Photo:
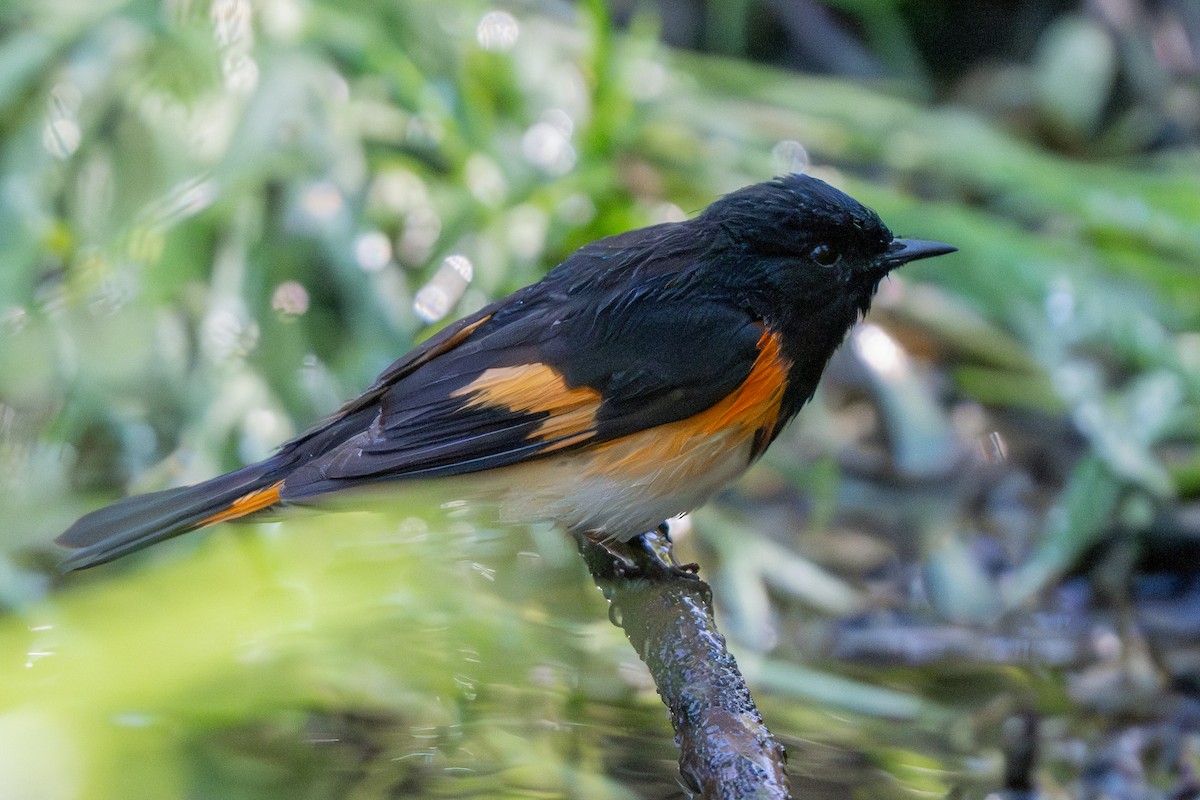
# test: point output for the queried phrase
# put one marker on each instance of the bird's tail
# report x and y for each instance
(142, 520)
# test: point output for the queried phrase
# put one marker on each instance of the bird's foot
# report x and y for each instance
(648, 556)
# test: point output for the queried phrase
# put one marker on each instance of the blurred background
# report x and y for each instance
(969, 568)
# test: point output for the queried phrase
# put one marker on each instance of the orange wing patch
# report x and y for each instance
(537, 388)
(246, 504)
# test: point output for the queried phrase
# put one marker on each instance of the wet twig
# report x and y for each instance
(725, 749)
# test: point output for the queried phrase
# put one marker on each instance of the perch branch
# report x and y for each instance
(726, 751)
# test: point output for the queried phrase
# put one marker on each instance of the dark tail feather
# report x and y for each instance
(142, 520)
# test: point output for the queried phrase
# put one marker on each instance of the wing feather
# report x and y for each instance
(539, 374)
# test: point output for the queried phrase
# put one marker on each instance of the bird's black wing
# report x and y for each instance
(589, 355)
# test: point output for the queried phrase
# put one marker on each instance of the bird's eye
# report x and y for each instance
(824, 255)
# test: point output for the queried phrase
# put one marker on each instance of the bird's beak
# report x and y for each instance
(903, 251)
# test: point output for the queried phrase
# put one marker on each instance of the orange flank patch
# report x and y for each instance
(753, 407)
(755, 404)
(246, 504)
(537, 388)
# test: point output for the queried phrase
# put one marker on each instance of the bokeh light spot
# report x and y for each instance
(231, 22)
(290, 299)
(372, 251)
(241, 73)
(226, 334)
(435, 299)
(879, 350)
(497, 31)
(431, 303)
(61, 137)
(460, 266)
(547, 143)
(789, 156)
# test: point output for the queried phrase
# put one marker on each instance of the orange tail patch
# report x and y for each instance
(246, 504)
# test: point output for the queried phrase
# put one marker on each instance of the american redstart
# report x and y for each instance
(639, 376)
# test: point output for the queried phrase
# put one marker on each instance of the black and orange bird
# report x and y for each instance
(639, 376)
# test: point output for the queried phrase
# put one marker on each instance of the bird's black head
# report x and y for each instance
(803, 248)
(805, 257)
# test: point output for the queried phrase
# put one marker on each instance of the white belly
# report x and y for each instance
(621, 490)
